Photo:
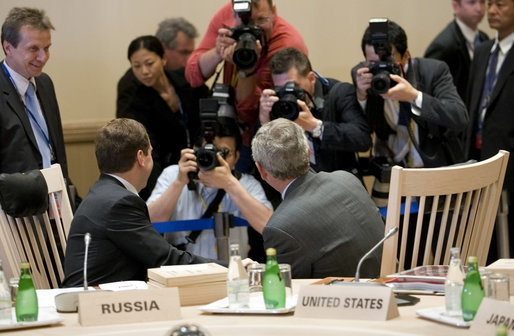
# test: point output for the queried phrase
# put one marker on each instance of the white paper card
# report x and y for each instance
(130, 306)
(348, 302)
(491, 314)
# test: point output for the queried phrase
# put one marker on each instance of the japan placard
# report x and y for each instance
(491, 314)
(130, 306)
(347, 302)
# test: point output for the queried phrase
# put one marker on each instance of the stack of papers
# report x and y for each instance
(423, 279)
(197, 284)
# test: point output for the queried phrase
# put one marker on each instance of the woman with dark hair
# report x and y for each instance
(163, 102)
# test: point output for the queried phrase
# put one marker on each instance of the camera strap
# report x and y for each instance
(211, 209)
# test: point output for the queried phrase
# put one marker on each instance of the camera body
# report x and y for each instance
(246, 34)
(381, 83)
(287, 106)
(219, 105)
(386, 66)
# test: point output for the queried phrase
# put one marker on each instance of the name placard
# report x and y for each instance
(129, 306)
(347, 302)
(491, 314)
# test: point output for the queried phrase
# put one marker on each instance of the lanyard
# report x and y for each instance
(45, 136)
(204, 205)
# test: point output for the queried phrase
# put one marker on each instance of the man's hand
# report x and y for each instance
(268, 98)
(305, 118)
(219, 177)
(225, 44)
(363, 82)
(186, 164)
(403, 91)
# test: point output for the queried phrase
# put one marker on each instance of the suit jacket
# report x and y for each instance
(345, 130)
(324, 225)
(450, 46)
(443, 118)
(165, 128)
(18, 147)
(124, 243)
(498, 127)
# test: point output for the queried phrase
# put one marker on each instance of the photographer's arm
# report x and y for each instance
(162, 208)
(222, 51)
(256, 213)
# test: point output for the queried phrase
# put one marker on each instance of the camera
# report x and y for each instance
(287, 106)
(385, 66)
(246, 35)
(206, 156)
(220, 105)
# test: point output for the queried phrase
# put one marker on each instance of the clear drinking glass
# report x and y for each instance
(498, 287)
(285, 271)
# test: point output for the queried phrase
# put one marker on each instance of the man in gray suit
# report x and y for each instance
(326, 221)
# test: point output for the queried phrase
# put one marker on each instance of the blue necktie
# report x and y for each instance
(38, 123)
(486, 94)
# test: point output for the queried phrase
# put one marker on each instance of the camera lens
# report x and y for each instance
(380, 82)
(206, 157)
(286, 107)
(245, 53)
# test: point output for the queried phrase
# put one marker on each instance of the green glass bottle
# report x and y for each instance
(26, 300)
(472, 292)
(273, 286)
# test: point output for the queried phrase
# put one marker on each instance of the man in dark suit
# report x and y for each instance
(327, 111)
(418, 118)
(491, 97)
(30, 134)
(124, 244)
(456, 43)
(326, 221)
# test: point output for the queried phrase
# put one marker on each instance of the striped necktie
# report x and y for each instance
(39, 127)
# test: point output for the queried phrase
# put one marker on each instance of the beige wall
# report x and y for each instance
(88, 53)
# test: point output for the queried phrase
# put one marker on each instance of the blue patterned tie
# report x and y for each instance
(486, 94)
(38, 123)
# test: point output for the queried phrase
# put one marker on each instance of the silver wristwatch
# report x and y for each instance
(316, 132)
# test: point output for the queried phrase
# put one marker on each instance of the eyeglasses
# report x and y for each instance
(263, 20)
(225, 152)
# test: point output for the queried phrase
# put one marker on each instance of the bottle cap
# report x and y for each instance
(24, 265)
(271, 251)
(455, 250)
(472, 259)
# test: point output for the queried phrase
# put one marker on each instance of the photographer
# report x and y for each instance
(417, 114)
(325, 108)
(173, 200)
(218, 46)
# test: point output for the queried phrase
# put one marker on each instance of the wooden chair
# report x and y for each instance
(39, 239)
(464, 201)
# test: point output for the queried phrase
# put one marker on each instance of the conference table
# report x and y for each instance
(407, 323)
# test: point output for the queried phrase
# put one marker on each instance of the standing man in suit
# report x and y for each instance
(327, 111)
(124, 243)
(456, 43)
(418, 117)
(491, 97)
(30, 123)
(326, 221)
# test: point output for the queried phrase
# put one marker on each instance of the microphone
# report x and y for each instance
(87, 240)
(387, 236)
(69, 302)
